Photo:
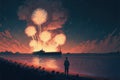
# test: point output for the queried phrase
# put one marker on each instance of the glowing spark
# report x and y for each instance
(60, 39)
(30, 31)
(39, 16)
(45, 36)
(33, 43)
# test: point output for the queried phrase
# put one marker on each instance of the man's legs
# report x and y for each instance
(67, 70)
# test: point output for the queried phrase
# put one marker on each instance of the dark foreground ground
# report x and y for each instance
(15, 71)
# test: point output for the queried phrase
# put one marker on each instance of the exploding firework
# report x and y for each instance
(45, 36)
(44, 40)
(33, 43)
(30, 31)
(60, 39)
(39, 16)
(48, 19)
(56, 18)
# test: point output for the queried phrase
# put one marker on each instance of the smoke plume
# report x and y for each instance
(48, 17)
(56, 13)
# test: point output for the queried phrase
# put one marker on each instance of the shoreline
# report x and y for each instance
(17, 71)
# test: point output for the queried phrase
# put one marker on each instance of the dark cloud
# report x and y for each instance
(109, 44)
(0, 25)
(9, 43)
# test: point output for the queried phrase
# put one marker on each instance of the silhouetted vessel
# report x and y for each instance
(43, 53)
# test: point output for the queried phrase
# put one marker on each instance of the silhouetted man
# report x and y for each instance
(66, 65)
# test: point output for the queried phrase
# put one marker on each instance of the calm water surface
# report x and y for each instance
(99, 66)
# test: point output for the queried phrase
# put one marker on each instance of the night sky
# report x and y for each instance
(89, 23)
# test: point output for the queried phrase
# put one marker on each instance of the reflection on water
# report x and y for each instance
(47, 63)
(35, 61)
(51, 64)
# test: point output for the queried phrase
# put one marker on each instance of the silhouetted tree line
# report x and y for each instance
(9, 53)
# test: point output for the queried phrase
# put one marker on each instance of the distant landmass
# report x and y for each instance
(9, 53)
(43, 53)
(91, 54)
